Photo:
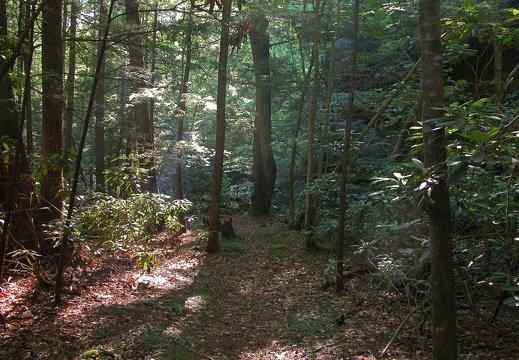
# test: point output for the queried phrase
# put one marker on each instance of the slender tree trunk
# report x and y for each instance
(264, 167)
(70, 81)
(309, 212)
(27, 69)
(438, 207)
(52, 110)
(404, 133)
(329, 89)
(77, 168)
(498, 72)
(341, 237)
(293, 157)
(297, 128)
(179, 193)
(216, 188)
(389, 100)
(99, 129)
(141, 114)
(153, 61)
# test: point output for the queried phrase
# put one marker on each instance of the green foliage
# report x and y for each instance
(482, 146)
(178, 308)
(125, 177)
(113, 222)
(147, 259)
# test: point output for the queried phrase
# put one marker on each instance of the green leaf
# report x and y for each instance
(478, 156)
(458, 173)
(513, 288)
(418, 164)
(478, 136)
(512, 301)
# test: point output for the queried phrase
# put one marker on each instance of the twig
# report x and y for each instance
(395, 334)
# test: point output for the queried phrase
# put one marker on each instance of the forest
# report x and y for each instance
(314, 179)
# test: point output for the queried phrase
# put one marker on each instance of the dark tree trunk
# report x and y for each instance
(309, 200)
(216, 188)
(70, 82)
(138, 77)
(100, 103)
(341, 236)
(52, 111)
(264, 167)
(79, 157)
(228, 230)
(438, 208)
(16, 186)
(28, 82)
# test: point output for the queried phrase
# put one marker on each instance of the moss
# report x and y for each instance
(97, 354)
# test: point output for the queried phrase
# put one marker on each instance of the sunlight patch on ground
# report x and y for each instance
(183, 264)
(195, 303)
(173, 331)
(275, 351)
(153, 280)
(11, 292)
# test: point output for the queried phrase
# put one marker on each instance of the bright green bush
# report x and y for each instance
(113, 223)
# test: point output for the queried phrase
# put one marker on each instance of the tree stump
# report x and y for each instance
(227, 229)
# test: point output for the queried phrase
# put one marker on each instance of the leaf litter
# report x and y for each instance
(261, 296)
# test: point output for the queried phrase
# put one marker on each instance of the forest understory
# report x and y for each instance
(262, 296)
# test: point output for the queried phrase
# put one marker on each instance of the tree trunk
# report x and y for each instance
(309, 233)
(329, 89)
(264, 167)
(438, 207)
(138, 78)
(52, 111)
(341, 237)
(99, 134)
(179, 193)
(297, 128)
(79, 157)
(389, 100)
(16, 186)
(70, 81)
(216, 188)
(28, 97)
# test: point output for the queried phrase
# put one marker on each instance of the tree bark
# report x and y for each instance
(52, 111)
(216, 188)
(16, 186)
(138, 78)
(264, 167)
(329, 89)
(438, 207)
(309, 233)
(77, 168)
(99, 129)
(70, 81)
(179, 193)
(341, 237)
(297, 128)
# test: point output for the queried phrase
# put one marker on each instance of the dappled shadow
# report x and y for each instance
(259, 297)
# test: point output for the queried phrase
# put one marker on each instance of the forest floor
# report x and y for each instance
(262, 296)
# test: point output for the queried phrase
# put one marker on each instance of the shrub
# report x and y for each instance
(113, 223)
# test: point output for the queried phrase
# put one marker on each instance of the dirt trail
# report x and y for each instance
(260, 297)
